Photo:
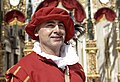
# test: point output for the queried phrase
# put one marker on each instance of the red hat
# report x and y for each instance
(70, 5)
(50, 13)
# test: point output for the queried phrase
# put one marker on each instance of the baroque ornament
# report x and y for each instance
(14, 2)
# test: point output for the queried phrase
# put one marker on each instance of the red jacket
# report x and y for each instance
(34, 68)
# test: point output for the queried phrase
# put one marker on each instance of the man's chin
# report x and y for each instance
(57, 43)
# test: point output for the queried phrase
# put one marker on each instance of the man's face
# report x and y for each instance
(52, 33)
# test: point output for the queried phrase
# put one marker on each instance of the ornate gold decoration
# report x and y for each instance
(28, 47)
(16, 22)
(104, 1)
(118, 49)
(6, 5)
(118, 45)
(1, 59)
(91, 50)
(4, 31)
(91, 47)
(21, 6)
(119, 77)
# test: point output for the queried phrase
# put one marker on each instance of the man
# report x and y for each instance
(51, 59)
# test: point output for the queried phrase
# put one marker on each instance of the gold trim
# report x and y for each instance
(27, 50)
(6, 79)
(93, 75)
(17, 70)
(12, 79)
(16, 22)
(13, 73)
(27, 78)
(9, 70)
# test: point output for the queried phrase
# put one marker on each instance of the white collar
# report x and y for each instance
(68, 55)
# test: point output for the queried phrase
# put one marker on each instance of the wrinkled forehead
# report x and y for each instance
(48, 22)
(54, 21)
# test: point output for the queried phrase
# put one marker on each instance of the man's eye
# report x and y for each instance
(61, 26)
(50, 26)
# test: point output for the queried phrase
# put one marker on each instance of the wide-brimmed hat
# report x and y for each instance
(50, 13)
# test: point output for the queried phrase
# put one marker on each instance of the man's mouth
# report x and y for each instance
(57, 37)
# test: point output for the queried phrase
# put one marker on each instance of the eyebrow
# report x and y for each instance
(54, 22)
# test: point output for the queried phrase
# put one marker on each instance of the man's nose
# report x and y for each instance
(56, 28)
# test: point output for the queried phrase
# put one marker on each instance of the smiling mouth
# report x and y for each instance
(57, 38)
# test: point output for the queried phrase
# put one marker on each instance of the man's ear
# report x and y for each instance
(36, 31)
(36, 34)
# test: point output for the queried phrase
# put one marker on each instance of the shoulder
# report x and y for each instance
(76, 66)
(26, 60)
(29, 56)
(79, 70)
(29, 60)
(15, 72)
(23, 68)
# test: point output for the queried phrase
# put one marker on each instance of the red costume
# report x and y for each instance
(35, 68)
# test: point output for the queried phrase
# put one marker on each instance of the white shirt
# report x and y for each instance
(68, 55)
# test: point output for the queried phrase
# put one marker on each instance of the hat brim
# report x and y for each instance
(68, 22)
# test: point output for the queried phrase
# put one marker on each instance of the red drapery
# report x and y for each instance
(9, 17)
(79, 13)
(109, 14)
